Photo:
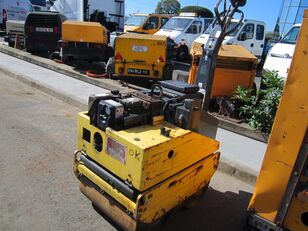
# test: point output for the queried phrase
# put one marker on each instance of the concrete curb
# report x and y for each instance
(226, 166)
(46, 89)
(114, 85)
(238, 171)
(63, 69)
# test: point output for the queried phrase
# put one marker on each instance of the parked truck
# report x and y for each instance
(184, 29)
(109, 11)
(250, 34)
(280, 55)
(18, 9)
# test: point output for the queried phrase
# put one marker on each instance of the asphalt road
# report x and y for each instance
(39, 190)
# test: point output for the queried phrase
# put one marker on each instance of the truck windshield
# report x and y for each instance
(232, 25)
(291, 36)
(177, 24)
(135, 20)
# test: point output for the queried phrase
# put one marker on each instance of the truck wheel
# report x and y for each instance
(182, 53)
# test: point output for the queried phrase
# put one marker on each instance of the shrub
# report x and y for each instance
(259, 110)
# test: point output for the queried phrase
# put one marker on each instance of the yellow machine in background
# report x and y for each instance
(143, 56)
(85, 41)
(235, 66)
(146, 23)
(280, 200)
(90, 32)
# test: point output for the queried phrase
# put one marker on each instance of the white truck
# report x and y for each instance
(184, 29)
(81, 10)
(18, 9)
(250, 34)
(280, 55)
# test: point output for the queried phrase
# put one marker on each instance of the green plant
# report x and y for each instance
(259, 110)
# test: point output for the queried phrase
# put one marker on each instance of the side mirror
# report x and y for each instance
(242, 36)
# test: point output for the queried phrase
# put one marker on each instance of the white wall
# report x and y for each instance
(73, 9)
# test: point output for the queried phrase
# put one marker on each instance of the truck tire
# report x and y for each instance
(182, 53)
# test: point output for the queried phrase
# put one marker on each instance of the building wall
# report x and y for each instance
(291, 12)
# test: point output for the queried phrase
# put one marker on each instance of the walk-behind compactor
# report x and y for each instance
(139, 155)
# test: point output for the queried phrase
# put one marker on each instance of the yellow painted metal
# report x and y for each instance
(90, 32)
(299, 206)
(150, 157)
(117, 195)
(140, 52)
(171, 193)
(155, 202)
(287, 135)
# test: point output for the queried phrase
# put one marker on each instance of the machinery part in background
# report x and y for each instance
(43, 30)
(97, 70)
(207, 63)
(15, 34)
(85, 42)
(99, 16)
(182, 53)
(235, 66)
(142, 57)
(280, 199)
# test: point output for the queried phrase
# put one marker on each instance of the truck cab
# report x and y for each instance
(145, 23)
(250, 34)
(184, 29)
(280, 56)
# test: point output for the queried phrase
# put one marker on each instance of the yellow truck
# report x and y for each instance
(143, 57)
(145, 23)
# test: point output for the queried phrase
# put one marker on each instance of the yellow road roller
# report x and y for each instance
(138, 157)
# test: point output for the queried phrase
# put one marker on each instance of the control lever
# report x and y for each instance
(207, 63)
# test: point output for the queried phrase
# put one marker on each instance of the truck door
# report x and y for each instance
(192, 32)
(246, 37)
(259, 41)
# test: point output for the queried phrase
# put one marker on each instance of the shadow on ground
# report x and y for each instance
(215, 211)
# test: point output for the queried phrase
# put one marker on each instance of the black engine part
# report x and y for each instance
(179, 102)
